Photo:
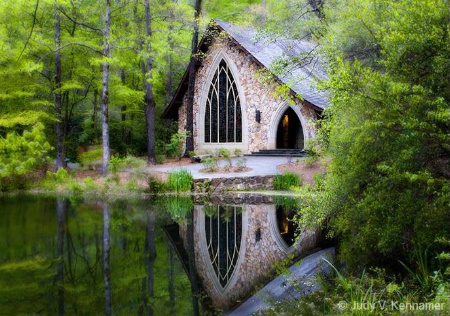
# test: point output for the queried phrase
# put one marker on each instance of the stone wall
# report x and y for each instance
(254, 95)
(215, 185)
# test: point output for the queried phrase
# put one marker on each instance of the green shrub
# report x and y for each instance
(286, 181)
(160, 159)
(21, 156)
(132, 185)
(210, 163)
(74, 186)
(61, 175)
(154, 185)
(176, 147)
(237, 152)
(225, 154)
(89, 183)
(115, 164)
(179, 181)
(91, 157)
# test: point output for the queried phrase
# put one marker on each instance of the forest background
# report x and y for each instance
(386, 195)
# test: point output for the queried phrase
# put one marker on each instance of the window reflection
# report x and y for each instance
(223, 229)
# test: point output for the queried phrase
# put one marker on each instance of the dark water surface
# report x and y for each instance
(155, 257)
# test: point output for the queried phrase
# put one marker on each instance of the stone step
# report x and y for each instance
(280, 152)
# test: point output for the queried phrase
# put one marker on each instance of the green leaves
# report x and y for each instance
(389, 127)
(21, 154)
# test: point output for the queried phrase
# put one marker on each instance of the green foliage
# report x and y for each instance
(21, 156)
(286, 181)
(223, 153)
(387, 187)
(91, 157)
(89, 183)
(179, 181)
(160, 159)
(176, 147)
(210, 163)
(154, 185)
(237, 152)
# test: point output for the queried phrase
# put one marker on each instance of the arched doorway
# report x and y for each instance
(290, 131)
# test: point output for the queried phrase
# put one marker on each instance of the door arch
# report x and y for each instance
(295, 115)
(290, 131)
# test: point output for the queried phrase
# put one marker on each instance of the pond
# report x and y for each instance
(86, 256)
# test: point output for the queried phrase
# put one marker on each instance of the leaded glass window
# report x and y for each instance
(223, 117)
(223, 230)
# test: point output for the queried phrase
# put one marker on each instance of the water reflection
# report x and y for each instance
(88, 257)
(60, 256)
(236, 246)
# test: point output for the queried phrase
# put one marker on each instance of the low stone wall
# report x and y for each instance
(214, 185)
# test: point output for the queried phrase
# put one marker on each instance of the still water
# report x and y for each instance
(172, 256)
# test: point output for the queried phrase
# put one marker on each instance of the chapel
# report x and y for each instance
(236, 106)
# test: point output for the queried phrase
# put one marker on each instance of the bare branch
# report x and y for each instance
(32, 29)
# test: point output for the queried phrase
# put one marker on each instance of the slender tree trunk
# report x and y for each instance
(57, 94)
(105, 92)
(148, 87)
(106, 258)
(191, 85)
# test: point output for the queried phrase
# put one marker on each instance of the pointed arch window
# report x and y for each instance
(223, 117)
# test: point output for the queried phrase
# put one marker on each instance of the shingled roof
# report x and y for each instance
(267, 51)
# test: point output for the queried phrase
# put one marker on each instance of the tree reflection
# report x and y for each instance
(61, 206)
(106, 257)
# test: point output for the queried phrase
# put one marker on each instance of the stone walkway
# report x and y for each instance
(260, 166)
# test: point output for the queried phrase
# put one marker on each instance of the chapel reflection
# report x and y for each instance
(223, 230)
(237, 246)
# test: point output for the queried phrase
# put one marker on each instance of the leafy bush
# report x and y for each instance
(225, 154)
(179, 181)
(210, 163)
(91, 157)
(160, 159)
(176, 147)
(154, 185)
(237, 152)
(89, 183)
(21, 156)
(286, 181)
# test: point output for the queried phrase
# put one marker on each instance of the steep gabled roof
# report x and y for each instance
(265, 52)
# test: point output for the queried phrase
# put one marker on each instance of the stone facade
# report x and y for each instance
(255, 95)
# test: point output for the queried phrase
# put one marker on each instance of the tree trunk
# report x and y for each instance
(105, 92)
(148, 87)
(57, 94)
(191, 85)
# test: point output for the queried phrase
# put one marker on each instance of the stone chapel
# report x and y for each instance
(235, 108)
